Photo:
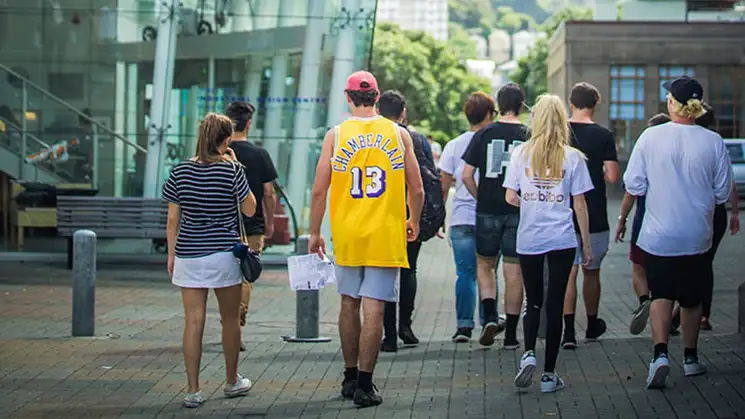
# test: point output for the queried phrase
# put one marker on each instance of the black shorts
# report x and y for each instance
(677, 278)
(497, 234)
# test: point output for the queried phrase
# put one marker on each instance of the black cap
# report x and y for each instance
(684, 89)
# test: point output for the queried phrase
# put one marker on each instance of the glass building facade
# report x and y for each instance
(107, 74)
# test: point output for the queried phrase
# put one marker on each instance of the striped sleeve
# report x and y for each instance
(170, 189)
(240, 184)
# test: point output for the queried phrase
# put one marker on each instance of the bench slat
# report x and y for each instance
(112, 217)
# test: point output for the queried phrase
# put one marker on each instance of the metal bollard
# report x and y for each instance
(84, 283)
(307, 307)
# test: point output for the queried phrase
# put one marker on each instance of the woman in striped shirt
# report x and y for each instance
(203, 195)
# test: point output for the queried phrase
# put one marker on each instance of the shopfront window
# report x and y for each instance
(626, 104)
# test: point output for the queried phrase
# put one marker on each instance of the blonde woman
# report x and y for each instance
(550, 175)
(683, 170)
(202, 195)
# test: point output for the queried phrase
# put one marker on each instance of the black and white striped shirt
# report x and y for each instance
(207, 195)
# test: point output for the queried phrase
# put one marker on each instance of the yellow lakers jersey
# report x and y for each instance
(368, 194)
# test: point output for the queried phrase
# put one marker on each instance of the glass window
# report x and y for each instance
(727, 96)
(626, 103)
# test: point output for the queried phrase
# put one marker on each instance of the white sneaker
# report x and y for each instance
(524, 377)
(551, 383)
(240, 388)
(193, 400)
(639, 318)
(658, 371)
(692, 366)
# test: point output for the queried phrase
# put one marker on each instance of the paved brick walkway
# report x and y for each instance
(134, 369)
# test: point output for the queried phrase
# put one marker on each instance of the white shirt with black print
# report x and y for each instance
(546, 222)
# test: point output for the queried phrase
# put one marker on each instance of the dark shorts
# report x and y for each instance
(677, 278)
(636, 254)
(497, 234)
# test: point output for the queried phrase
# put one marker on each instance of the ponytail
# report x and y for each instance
(214, 130)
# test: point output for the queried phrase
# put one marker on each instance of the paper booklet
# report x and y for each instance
(310, 272)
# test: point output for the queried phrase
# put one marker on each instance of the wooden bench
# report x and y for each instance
(120, 218)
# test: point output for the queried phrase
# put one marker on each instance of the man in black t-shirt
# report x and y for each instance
(261, 174)
(599, 146)
(496, 220)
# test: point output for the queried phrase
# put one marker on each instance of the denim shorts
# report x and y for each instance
(497, 234)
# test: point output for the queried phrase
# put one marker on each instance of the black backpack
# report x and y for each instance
(433, 210)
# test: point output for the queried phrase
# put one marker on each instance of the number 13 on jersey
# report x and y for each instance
(373, 187)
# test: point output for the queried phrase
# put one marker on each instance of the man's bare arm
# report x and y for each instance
(469, 180)
(447, 183)
(413, 178)
(321, 184)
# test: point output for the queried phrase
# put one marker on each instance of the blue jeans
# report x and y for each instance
(463, 241)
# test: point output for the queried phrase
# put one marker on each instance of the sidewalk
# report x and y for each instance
(134, 367)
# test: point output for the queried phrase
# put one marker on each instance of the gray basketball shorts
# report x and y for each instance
(368, 282)
(599, 242)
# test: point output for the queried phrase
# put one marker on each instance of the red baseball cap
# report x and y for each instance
(362, 81)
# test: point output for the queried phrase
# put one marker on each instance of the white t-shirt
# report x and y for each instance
(546, 216)
(684, 171)
(464, 205)
(436, 152)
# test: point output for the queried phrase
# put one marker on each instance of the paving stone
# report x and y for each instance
(133, 368)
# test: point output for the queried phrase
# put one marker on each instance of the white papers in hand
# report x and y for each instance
(310, 272)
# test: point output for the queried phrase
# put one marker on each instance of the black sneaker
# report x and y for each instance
(596, 330)
(569, 342)
(348, 387)
(388, 346)
(370, 398)
(489, 332)
(462, 335)
(407, 336)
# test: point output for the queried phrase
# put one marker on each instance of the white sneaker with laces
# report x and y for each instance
(193, 400)
(524, 377)
(240, 388)
(551, 382)
(692, 366)
(658, 371)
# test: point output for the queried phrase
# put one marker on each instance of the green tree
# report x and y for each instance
(429, 74)
(532, 70)
(460, 42)
(473, 14)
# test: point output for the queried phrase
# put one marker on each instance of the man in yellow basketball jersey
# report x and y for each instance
(368, 163)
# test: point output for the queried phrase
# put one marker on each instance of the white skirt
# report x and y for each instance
(218, 270)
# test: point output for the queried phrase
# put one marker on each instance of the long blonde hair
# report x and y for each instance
(546, 150)
(693, 109)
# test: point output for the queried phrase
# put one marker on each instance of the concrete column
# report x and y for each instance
(165, 52)
(304, 133)
(242, 19)
(344, 65)
(273, 136)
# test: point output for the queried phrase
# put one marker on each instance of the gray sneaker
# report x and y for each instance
(639, 318)
(240, 388)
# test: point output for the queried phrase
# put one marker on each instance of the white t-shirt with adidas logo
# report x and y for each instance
(546, 216)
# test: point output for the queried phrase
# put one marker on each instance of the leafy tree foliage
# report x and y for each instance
(429, 74)
(532, 71)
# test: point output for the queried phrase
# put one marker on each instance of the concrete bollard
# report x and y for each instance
(741, 308)
(307, 307)
(84, 283)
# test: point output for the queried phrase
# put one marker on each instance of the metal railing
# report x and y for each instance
(97, 127)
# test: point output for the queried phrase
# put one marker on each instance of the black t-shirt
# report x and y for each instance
(489, 152)
(259, 170)
(599, 146)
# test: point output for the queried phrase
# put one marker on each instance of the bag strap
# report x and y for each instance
(241, 225)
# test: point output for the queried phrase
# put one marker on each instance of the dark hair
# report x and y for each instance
(240, 113)
(584, 96)
(214, 131)
(363, 97)
(659, 119)
(478, 106)
(708, 119)
(510, 98)
(391, 104)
